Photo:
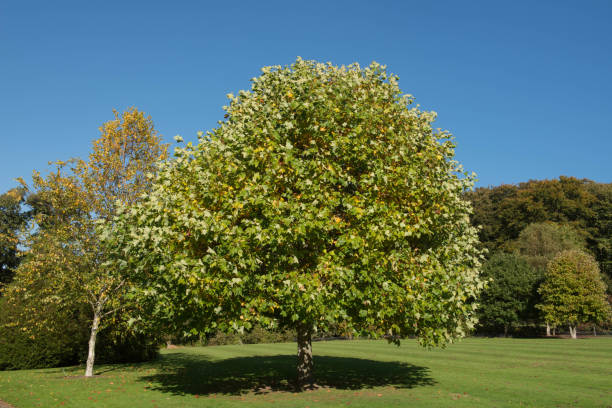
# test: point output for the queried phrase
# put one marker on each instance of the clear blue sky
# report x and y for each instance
(525, 86)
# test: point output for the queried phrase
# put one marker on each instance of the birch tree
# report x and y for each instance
(82, 193)
(118, 171)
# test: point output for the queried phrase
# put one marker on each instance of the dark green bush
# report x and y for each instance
(257, 335)
(63, 340)
(222, 339)
(261, 335)
(53, 345)
(115, 346)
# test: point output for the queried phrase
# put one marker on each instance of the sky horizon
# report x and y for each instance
(522, 86)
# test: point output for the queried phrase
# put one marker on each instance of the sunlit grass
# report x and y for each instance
(473, 373)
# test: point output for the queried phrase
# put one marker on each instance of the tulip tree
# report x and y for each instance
(324, 198)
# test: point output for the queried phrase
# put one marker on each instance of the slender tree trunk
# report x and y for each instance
(505, 330)
(594, 331)
(572, 331)
(554, 330)
(305, 362)
(91, 355)
(547, 329)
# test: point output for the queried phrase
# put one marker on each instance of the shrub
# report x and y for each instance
(255, 336)
(23, 346)
(62, 340)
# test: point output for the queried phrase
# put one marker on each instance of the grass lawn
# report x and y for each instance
(473, 373)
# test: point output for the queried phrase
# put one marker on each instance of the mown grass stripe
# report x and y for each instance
(474, 372)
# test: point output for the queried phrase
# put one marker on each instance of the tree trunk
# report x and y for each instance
(505, 330)
(554, 330)
(572, 331)
(547, 329)
(305, 363)
(594, 331)
(91, 355)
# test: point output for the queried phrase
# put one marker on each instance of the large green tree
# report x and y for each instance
(511, 296)
(323, 198)
(573, 291)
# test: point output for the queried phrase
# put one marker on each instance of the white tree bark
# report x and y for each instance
(572, 331)
(98, 302)
(91, 355)
(547, 329)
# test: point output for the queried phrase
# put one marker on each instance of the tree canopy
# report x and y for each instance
(504, 211)
(12, 219)
(324, 197)
(600, 240)
(540, 242)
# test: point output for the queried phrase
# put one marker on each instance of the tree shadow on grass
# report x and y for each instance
(191, 374)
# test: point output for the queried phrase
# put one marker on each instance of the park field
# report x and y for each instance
(476, 372)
